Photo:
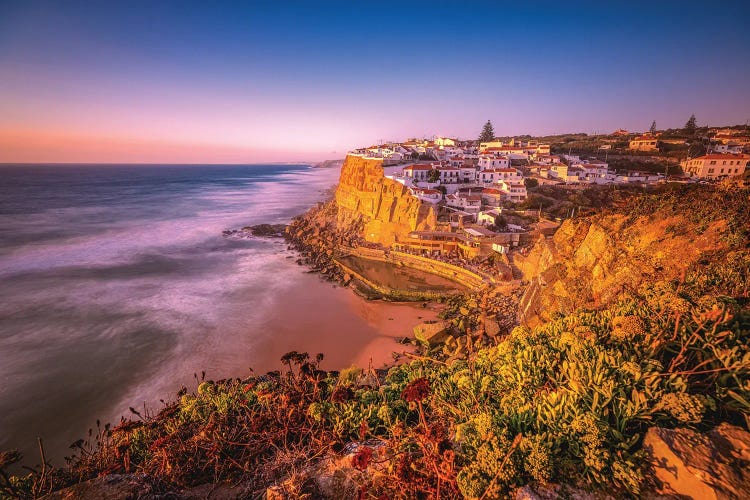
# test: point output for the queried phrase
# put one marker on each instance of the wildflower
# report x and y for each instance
(362, 457)
(342, 395)
(625, 328)
(684, 408)
(416, 391)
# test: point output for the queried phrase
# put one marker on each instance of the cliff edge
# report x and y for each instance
(590, 261)
(385, 207)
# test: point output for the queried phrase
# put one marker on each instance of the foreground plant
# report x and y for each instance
(567, 401)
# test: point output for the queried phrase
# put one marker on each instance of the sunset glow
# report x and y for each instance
(307, 81)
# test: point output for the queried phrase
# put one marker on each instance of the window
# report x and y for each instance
(710, 170)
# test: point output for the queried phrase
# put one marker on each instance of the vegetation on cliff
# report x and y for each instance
(567, 400)
(664, 341)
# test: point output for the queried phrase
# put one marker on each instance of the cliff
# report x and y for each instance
(590, 261)
(385, 208)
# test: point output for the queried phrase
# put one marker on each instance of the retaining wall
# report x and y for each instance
(454, 273)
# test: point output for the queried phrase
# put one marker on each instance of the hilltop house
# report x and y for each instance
(417, 172)
(442, 142)
(643, 143)
(724, 148)
(716, 166)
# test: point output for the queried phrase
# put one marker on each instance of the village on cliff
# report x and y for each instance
(479, 190)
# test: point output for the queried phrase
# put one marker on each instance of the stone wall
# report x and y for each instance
(457, 274)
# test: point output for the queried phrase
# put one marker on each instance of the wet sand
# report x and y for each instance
(349, 330)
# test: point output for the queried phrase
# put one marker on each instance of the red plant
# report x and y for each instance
(362, 457)
(416, 391)
(342, 394)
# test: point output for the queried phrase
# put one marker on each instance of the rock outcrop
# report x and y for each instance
(714, 465)
(590, 261)
(385, 207)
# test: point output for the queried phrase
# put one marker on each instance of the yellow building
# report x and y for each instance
(716, 166)
(644, 143)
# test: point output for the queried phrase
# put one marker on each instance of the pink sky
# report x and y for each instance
(34, 146)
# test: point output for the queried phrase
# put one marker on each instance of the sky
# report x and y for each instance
(240, 82)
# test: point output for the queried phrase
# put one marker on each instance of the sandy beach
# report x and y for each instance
(347, 329)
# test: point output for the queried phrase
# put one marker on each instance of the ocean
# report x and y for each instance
(116, 287)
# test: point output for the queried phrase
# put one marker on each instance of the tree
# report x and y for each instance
(531, 182)
(433, 175)
(690, 126)
(697, 148)
(653, 127)
(501, 223)
(488, 133)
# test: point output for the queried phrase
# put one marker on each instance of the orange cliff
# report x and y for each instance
(385, 206)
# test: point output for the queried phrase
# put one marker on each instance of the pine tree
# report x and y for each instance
(690, 126)
(653, 127)
(488, 133)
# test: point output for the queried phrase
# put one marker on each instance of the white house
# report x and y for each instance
(729, 148)
(417, 172)
(595, 172)
(492, 196)
(494, 175)
(466, 202)
(442, 142)
(428, 195)
(468, 173)
(449, 175)
(487, 217)
(491, 161)
(514, 190)
(514, 152)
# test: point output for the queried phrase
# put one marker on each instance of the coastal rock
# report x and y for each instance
(590, 261)
(491, 326)
(384, 207)
(338, 477)
(432, 332)
(712, 465)
(267, 230)
(557, 492)
(111, 486)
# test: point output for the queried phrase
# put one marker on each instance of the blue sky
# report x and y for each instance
(250, 81)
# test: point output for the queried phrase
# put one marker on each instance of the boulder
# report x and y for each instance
(491, 326)
(711, 465)
(557, 492)
(111, 486)
(432, 332)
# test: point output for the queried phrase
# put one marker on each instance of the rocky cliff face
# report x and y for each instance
(589, 261)
(385, 207)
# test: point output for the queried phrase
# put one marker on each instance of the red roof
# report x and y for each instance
(418, 167)
(425, 191)
(501, 170)
(491, 191)
(723, 156)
